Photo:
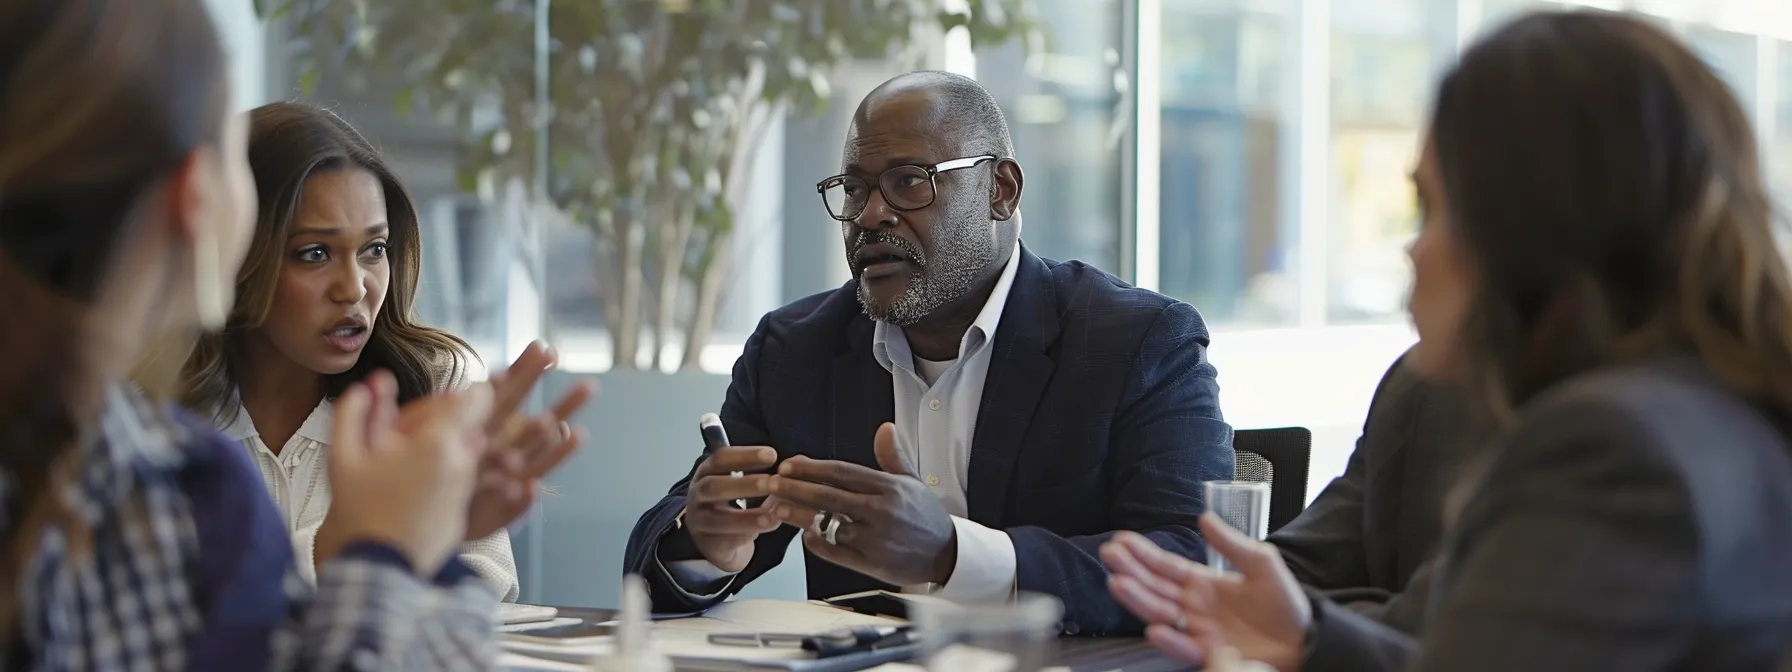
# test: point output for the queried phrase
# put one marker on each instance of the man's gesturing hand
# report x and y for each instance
(900, 531)
(722, 533)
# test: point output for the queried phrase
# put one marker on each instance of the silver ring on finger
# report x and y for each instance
(1181, 622)
(827, 526)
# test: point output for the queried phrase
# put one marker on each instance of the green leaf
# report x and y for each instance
(273, 10)
(950, 20)
(308, 81)
(467, 179)
(405, 101)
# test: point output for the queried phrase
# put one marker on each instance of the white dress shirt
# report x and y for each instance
(936, 418)
(299, 479)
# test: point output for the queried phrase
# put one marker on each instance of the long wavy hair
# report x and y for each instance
(100, 101)
(289, 142)
(1605, 184)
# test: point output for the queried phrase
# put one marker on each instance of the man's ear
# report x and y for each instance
(1004, 191)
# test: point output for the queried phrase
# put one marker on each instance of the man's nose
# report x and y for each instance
(878, 214)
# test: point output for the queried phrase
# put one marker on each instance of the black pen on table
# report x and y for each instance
(715, 438)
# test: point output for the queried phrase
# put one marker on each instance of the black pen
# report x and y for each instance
(715, 438)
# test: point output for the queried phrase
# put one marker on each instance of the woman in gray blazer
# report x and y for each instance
(1597, 264)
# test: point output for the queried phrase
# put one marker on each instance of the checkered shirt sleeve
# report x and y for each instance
(181, 563)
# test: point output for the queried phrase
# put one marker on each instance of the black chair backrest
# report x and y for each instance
(1279, 456)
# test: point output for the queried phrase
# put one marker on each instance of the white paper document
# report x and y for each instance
(526, 628)
(962, 658)
(515, 662)
(512, 614)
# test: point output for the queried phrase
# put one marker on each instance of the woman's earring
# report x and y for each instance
(208, 286)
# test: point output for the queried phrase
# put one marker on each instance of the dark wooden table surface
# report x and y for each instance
(1080, 654)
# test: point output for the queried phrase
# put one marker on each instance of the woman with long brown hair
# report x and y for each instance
(325, 297)
(1597, 261)
(136, 537)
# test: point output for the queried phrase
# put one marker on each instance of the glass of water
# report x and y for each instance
(1017, 636)
(1242, 504)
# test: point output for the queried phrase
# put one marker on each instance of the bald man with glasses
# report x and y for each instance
(962, 418)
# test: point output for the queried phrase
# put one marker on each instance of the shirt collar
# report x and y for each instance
(240, 427)
(319, 424)
(892, 351)
(991, 315)
(237, 425)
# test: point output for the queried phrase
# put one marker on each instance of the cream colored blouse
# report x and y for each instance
(298, 478)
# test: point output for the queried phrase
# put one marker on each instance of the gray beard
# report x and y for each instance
(962, 249)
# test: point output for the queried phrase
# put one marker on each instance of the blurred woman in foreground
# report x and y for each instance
(136, 538)
(1597, 261)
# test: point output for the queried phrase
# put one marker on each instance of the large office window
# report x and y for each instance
(1384, 57)
(1495, 13)
(1227, 240)
(1779, 153)
(1069, 111)
(1248, 232)
(1734, 56)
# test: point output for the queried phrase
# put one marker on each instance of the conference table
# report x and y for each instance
(1079, 654)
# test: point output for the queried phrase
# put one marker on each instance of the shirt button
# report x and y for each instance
(935, 404)
(933, 480)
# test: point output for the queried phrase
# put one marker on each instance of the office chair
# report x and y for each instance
(1279, 457)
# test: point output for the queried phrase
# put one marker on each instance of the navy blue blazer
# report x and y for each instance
(1100, 413)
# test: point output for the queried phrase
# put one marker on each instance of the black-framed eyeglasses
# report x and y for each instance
(904, 188)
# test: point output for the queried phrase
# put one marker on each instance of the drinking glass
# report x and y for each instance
(1017, 636)
(1242, 504)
